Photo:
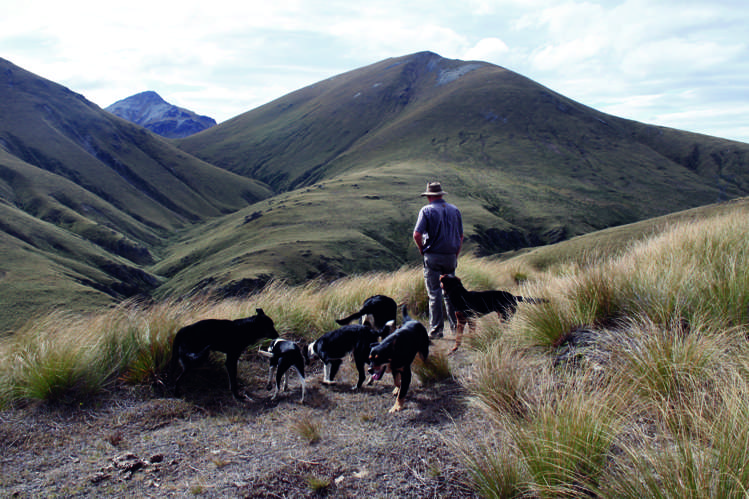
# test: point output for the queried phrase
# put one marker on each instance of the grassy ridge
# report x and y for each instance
(629, 382)
(626, 384)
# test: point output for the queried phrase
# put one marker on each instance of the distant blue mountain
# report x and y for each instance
(149, 110)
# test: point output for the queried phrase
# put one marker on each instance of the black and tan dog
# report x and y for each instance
(396, 353)
(377, 310)
(334, 346)
(193, 343)
(469, 305)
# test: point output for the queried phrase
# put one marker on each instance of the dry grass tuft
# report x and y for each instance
(433, 370)
(307, 428)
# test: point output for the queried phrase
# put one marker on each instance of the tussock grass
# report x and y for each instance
(318, 485)
(705, 455)
(493, 467)
(307, 428)
(436, 368)
(565, 441)
(44, 363)
(502, 379)
(631, 381)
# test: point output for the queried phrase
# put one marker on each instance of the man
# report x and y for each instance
(439, 236)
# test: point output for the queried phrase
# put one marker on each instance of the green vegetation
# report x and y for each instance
(629, 382)
(435, 369)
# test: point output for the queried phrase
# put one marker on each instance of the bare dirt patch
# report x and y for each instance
(138, 443)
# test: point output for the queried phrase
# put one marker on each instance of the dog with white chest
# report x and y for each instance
(396, 353)
(283, 355)
(333, 347)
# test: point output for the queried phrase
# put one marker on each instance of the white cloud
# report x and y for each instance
(488, 50)
(221, 58)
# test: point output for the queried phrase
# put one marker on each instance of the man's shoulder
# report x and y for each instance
(452, 207)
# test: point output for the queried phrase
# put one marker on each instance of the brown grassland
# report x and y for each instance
(630, 381)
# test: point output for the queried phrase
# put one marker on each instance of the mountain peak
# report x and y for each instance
(149, 110)
(149, 96)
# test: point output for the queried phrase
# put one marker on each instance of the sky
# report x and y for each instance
(676, 63)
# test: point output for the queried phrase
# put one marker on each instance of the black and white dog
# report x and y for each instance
(396, 353)
(334, 346)
(376, 310)
(193, 343)
(283, 355)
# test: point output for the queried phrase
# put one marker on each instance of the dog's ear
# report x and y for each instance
(259, 311)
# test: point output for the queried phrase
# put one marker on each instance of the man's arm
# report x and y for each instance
(419, 241)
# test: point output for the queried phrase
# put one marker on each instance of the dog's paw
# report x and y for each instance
(397, 407)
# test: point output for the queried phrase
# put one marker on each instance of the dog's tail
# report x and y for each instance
(404, 311)
(175, 354)
(304, 347)
(346, 320)
(534, 301)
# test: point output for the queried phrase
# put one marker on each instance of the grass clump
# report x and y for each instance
(318, 484)
(307, 428)
(44, 363)
(434, 369)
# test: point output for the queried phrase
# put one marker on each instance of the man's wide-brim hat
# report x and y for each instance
(434, 189)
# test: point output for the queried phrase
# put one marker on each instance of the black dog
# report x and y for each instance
(193, 343)
(377, 310)
(283, 355)
(396, 353)
(468, 305)
(332, 348)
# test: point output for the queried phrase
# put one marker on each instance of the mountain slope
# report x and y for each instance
(149, 110)
(424, 107)
(86, 191)
(526, 165)
(48, 126)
